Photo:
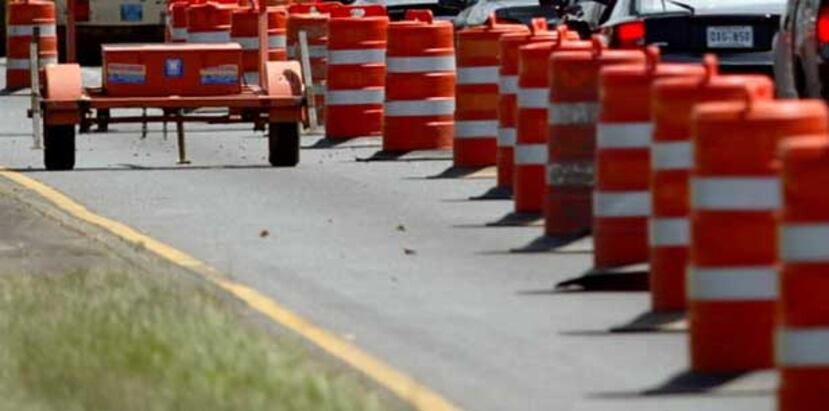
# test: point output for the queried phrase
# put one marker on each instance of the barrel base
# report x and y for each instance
(731, 336)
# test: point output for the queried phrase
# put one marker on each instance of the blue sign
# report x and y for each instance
(132, 12)
(173, 68)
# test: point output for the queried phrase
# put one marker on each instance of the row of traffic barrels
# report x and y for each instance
(703, 175)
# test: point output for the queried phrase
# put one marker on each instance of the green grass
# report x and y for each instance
(103, 341)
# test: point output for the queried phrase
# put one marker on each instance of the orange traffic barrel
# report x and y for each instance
(508, 101)
(245, 31)
(476, 115)
(356, 71)
(802, 344)
(23, 18)
(313, 20)
(420, 84)
(566, 187)
(531, 153)
(178, 21)
(735, 209)
(671, 160)
(209, 22)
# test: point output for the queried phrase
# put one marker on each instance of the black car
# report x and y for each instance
(740, 32)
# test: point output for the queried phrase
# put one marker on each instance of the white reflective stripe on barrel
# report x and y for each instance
(674, 155)
(670, 232)
(314, 52)
(251, 78)
(623, 135)
(476, 129)
(420, 64)
(622, 204)
(804, 243)
(353, 97)
(565, 114)
(359, 56)
(208, 37)
(530, 154)
(533, 98)
(732, 283)
(277, 41)
(179, 34)
(24, 30)
(23, 64)
(507, 137)
(443, 107)
(508, 85)
(247, 43)
(802, 347)
(735, 193)
(478, 75)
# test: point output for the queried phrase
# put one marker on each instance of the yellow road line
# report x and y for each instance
(405, 387)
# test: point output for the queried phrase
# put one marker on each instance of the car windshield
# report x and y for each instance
(684, 6)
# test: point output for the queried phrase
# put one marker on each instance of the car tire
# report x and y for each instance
(283, 144)
(59, 147)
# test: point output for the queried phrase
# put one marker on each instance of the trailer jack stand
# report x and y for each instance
(182, 148)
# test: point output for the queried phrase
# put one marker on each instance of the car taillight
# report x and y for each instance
(823, 24)
(81, 10)
(631, 34)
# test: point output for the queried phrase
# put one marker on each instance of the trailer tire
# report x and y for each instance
(283, 144)
(59, 147)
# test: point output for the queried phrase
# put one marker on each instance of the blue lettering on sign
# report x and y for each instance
(120, 73)
(132, 12)
(220, 75)
(173, 68)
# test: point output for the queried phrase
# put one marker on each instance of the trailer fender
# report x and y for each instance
(62, 91)
(284, 80)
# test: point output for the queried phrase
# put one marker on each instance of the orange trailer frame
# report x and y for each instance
(277, 103)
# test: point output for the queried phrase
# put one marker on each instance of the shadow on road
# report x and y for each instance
(494, 193)
(329, 144)
(632, 278)
(655, 322)
(563, 244)
(691, 383)
(407, 156)
(137, 167)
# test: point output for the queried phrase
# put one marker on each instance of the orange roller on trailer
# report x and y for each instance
(531, 148)
(802, 344)
(671, 161)
(24, 17)
(733, 284)
(356, 71)
(476, 115)
(420, 84)
(177, 79)
(571, 129)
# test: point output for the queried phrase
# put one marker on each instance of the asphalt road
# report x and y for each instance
(395, 259)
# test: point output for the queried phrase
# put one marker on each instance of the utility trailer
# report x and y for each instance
(177, 80)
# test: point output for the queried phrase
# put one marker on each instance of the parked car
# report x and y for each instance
(476, 12)
(802, 51)
(740, 32)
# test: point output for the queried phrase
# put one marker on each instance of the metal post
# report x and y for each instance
(264, 42)
(182, 149)
(34, 76)
(310, 91)
(71, 55)
(144, 123)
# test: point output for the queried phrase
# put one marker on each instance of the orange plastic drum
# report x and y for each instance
(22, 19)
(803, 322)
(671, 160)
(356, 71)
(420, 84)
(735, 208)
(476, 116)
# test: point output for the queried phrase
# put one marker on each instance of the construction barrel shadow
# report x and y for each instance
(737, 384)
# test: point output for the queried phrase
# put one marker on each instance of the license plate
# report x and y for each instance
(730, 37)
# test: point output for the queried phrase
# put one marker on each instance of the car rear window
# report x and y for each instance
(666, 6)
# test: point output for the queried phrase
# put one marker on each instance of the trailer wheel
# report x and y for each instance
(59, 147)
(283, 144)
